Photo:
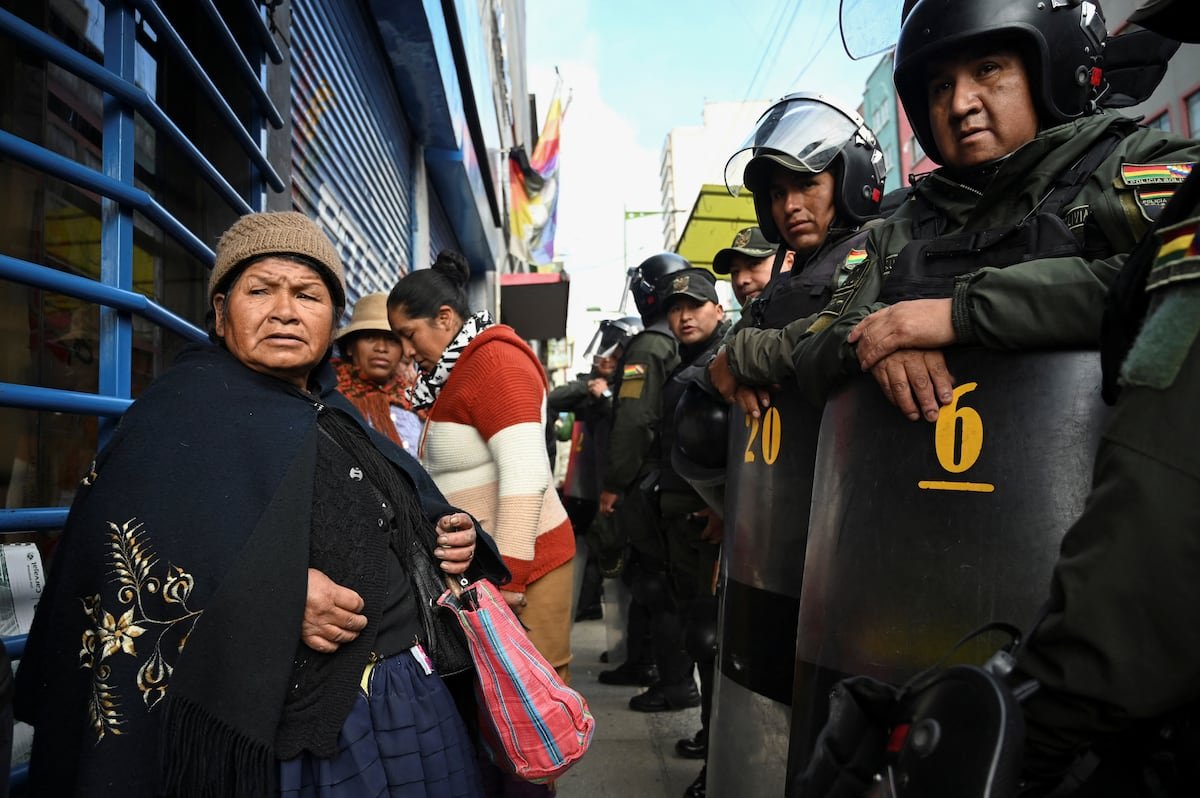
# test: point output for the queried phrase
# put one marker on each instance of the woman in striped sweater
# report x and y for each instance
(485, 444)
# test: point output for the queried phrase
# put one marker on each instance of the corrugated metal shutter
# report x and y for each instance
(351, 144)
(441, 234)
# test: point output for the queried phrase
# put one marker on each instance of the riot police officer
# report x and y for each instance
(748, 261)
(589, 399)
(816, 173)
(691, 528)
(629, 490)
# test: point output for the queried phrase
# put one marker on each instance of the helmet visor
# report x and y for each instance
(870, 26)
(802, 134)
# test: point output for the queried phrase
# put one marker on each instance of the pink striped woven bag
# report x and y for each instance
(531, 723)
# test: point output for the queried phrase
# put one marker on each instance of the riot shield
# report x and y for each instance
(768, 487)
(921, 533)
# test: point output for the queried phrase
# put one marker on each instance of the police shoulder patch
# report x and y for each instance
(1153, 184)
(633, 371)
(854, 259)
(632, 389)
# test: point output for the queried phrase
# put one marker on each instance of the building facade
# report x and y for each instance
(695, 155)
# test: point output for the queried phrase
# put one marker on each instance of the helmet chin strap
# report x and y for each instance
(979, 175)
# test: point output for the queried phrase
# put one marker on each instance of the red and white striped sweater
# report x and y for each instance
(485, 447)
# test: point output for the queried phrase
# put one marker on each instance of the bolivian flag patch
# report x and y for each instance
(1140, 174)
(1178, 257)
(634, 371)
(854, 259)
(633, 380)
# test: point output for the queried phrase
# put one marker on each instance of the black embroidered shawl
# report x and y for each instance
(163, 645)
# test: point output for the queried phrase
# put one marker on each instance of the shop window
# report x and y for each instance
(1160, 122)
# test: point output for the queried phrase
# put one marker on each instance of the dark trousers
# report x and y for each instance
(691, 563)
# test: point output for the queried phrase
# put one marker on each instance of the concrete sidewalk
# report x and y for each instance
(632, 753)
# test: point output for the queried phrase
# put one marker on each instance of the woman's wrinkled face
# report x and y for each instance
(376, 355)
(277, 319)
(424, 340)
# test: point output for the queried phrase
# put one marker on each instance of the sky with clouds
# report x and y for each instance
(634, 71)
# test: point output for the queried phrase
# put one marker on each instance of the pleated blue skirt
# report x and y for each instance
(405, 739)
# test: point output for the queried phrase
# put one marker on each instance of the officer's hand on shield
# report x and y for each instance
(751, 400)
(915, 381)
(911, 324)
(722, 376)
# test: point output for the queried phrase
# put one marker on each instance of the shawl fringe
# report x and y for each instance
(207, 757)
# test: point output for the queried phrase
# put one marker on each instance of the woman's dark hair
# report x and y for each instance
(423, 292)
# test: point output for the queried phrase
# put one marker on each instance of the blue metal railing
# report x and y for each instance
(75, 62)
(126, 194)
(113, 292)
(21, 271)
(171, 38)
(257, 90)
(263, 33)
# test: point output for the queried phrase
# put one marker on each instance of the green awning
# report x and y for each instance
(715, 219)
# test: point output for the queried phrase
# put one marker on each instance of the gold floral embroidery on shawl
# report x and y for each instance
(131, 626)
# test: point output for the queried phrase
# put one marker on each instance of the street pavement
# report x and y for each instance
(632, 753)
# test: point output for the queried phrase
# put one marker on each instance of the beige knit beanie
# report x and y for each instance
(279, 233)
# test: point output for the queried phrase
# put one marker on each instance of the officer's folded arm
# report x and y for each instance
(1039, 304)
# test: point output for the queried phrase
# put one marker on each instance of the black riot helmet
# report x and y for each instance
(701, 439)
(1061, 41)
(646, 275)
(616, 334)
(1175, 19)
(807, 132)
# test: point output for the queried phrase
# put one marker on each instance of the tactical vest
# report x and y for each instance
(802, 291)
(928, 265)
(669, 480)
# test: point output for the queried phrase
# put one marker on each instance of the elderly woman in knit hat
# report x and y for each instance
(374, 374)
(236, 604)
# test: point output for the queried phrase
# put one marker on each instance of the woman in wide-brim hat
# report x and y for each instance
(233, 606)
(374, 374)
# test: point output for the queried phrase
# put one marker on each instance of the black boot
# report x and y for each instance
(694, 747)
(629, 673)
(666, 698)
(698, 788)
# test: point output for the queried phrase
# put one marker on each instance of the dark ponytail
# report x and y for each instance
(422, 293)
